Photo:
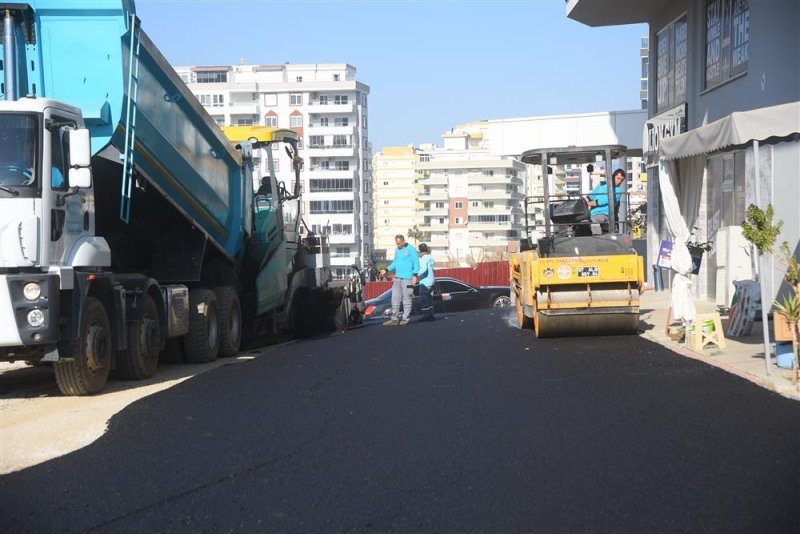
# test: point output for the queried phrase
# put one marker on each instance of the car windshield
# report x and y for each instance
(18, 150)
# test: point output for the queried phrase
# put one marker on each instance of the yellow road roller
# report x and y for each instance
(576, 273)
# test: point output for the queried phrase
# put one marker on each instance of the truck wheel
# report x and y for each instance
(144, 343)
(201, 343)
(87, 373)
(230, 321)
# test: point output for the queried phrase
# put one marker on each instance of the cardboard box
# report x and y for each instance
(781, 325)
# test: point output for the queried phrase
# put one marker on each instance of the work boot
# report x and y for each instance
(390, 322)
(404, 322)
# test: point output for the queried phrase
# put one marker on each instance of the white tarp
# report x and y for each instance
(738, 128)
(681, 185)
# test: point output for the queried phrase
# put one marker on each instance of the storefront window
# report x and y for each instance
(671, 67)
(727, 40)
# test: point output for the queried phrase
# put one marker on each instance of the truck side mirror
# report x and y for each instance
(80, 158)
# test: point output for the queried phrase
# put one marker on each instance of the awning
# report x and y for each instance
(738, 128)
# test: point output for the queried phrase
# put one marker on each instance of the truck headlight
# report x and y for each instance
(32, 291)
(36, 317)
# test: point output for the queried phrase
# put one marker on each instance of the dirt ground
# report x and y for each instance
(37, 423)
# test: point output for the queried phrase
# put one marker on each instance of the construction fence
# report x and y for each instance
(490, 273)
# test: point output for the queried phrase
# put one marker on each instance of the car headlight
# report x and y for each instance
(36, 317)
(32, 291)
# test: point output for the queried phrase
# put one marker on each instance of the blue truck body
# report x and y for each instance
(79, 52)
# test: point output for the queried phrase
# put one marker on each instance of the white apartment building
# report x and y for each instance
(469, 201)
(327, 106)
(394, 203)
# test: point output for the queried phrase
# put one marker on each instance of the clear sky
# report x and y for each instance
(430, 64)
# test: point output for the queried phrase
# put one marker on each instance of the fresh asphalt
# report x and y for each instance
(465, 424)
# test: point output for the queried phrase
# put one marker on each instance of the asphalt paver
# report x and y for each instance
(465, 424)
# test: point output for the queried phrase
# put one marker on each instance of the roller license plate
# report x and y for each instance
(589, 271)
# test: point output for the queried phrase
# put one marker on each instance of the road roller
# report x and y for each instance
(576, 275)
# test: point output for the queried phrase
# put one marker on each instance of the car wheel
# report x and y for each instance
(501, 301)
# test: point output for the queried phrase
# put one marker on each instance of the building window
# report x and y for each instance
(331, 206)
(488, 173)
(213, 101)
(296, 99)
(339, 140)
(340, 121)
(184, 78)
(335, 77)
(671, 66)
(441, 220)
(458, 220)
(342, 165)
(475, 203)
(340, 99)
(245, 122)
(299, 79)
(342, 229)
(489, 218)
(366, 186)
(364, 121)
(439, 205)
(271, 121)
(459, 205)
(727, 40)
(325, 165)
(296, 121)
(385, 202)
(323, 100)
(366, 228)
(331, 185)
(424, 158)
(323, 121)
(364, 99)
(488, 204)
(220, 121)
(316, 141)
(212, 77)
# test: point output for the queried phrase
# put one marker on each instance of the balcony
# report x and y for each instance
(433, 180)
(242, 108)
(432, 195)
(329, 151)
(494, 194)
(315, 107)
(503, 226)
(497, 241)
(434, 211)
(496, 179)
(318, 172)
(318, 129)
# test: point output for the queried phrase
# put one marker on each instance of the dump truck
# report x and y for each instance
(130, 226)
(572, 276)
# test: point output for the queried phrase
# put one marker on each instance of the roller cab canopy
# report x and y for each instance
(260, 135)
(572, 155)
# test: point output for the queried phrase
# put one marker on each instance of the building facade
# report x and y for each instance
(327, 106)
(703, 71)
(394, 198)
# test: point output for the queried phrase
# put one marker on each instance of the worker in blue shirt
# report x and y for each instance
(597, 199)
(406, 268)
(426, 280)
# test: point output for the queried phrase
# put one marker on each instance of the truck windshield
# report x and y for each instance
(18, 153)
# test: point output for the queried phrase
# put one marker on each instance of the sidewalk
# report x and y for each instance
(744, 356)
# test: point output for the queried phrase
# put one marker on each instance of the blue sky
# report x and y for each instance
(430, 65)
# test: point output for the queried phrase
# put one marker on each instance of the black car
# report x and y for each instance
(449, 295)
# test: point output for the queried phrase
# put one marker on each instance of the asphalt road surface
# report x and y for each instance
(461, 425)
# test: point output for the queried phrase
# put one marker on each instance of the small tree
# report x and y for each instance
(759, 230)
(415, 233)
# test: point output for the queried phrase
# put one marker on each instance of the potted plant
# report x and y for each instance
(789, 308)
(696, 250)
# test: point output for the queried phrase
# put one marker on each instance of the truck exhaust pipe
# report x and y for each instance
(10, 56)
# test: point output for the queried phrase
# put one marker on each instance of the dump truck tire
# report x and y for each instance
(87, 372)
(144, 343)
(230, 321)
(202, 342)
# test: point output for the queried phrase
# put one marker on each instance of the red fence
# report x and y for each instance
(491, 273)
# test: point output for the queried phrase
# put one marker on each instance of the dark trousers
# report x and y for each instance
(425, 302)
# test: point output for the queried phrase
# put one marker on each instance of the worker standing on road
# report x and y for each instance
(406, 268)
(426, 280)
(597, 199)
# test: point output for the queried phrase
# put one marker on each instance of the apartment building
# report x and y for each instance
(394, 202)
(469, 201)
(327, 106)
